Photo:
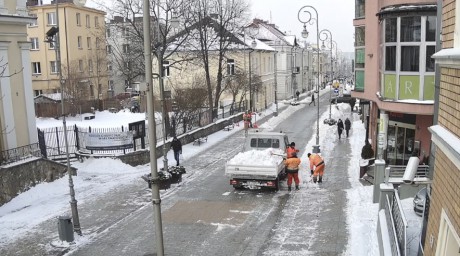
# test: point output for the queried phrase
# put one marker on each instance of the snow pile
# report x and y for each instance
(257, 157)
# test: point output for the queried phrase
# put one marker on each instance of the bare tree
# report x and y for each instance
(218, 22)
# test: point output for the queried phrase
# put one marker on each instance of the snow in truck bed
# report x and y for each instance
(258, 157)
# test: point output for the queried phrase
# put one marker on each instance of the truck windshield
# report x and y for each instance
(265, 143)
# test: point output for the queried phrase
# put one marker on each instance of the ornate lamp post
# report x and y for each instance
(310, 20)
(52, 36)
(328, 35)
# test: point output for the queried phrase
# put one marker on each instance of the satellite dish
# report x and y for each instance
(79, 2)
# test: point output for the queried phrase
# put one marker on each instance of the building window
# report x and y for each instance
(391, 30)
(78, 19)
(35, 45)
(230, 67)
(411, 29)
(80, 65)
(88, 42)
(125, 32)
(390, 58)
(54, 67)
(51, 18)
(90, 65)
(410, 56)
(108, 33)
(34, 22)
(36, 69)
(409, 43)
(165, 68)
(110, 85)
(360, 8)
(38, 92)
(98, 43)
(109, 49)
(360, 35)
(430, 50)
(96, 22)
(125, 48)
(79, 43)
(52, 43)
(87, 21)
(109, 67)
(448, 241)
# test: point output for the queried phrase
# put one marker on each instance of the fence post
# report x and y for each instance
(124, 150)
(57, 138)
(77, 140)
(379, 177)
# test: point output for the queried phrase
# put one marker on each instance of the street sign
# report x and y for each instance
(336, 91)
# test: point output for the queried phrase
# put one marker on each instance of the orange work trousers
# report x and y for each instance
(319, 170)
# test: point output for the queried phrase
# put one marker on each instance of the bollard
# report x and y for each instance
(65, 228)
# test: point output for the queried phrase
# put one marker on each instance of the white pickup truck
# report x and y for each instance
(261, 162)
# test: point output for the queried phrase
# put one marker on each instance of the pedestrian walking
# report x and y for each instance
(292, 170)
(347, 126)
(317, 167)
(297, 93)
(176, 146)
(291, 150)
(312, 99)
(340, 127)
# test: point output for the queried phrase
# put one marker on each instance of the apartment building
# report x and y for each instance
(395, 74)
(82, 44)
(17, 113)
(442, 230)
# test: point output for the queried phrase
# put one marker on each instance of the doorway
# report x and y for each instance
(400, 143)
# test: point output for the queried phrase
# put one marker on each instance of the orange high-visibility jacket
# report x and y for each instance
(292, 163)
(315, 160)
(290, 150)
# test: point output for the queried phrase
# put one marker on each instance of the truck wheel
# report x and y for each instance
(277, 184)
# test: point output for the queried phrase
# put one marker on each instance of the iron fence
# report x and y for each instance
(20, 153)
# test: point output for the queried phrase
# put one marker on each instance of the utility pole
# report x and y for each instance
(156, 201)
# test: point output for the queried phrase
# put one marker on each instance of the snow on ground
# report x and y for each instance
(50, 200)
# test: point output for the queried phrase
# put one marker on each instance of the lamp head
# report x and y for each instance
(174, 20)
(304, 32)
(323, 47)
(52, 32)
(254, 43)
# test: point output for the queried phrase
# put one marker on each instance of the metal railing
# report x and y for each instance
(397, 225)
(20, 153)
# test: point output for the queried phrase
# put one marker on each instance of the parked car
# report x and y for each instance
(419, 201)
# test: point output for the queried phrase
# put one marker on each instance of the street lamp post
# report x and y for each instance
(156, 201)
(310, 19)
(328, 35)
(54, 33)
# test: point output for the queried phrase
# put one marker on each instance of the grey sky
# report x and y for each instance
(334, 15)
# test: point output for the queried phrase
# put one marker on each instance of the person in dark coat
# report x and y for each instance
(176, 146)
(312, 99)
(347, 126)
(340, 127)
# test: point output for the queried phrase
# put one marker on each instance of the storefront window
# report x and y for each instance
(400, 143)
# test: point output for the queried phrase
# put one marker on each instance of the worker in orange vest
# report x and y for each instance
(292, 170)
(290, 150)
(316, 162)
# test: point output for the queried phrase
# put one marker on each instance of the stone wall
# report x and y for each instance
(17, 178)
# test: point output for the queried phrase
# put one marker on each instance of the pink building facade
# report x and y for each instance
(395, 75)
